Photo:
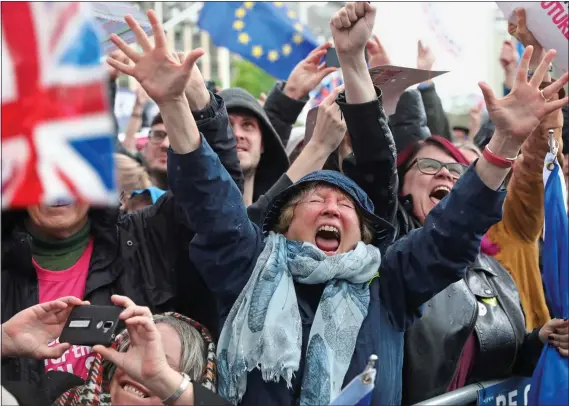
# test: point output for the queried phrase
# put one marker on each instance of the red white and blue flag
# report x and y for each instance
(57, 131)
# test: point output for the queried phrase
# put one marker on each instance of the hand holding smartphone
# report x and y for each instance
(92, 325)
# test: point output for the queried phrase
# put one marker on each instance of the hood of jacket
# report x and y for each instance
(383, 230)
(274, 160)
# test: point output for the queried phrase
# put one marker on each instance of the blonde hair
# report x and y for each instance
(130, 175)
(287, 213)
(469, 146)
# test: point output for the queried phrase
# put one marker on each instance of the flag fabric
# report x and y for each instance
(57, 141)
(550, 380)
(328, 84)
(110, 17)
(360, 389)
(267, 34)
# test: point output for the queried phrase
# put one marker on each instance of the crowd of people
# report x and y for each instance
(252, 276)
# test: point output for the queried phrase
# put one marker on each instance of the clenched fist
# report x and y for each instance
(351, 27)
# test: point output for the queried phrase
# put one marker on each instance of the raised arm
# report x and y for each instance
(429, 259)
(212, 203)
(287, 99)
(372, 142)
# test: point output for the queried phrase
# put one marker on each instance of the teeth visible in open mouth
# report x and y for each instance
(133, 390)
(329, 228)
(445, 188)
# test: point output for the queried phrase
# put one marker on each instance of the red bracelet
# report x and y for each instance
(496, 160)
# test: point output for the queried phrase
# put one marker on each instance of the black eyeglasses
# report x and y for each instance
(157, 136)
(430, 166)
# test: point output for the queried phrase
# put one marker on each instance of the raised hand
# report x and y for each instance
(330, 128)
(196, 91)
(519, 30)
(119, 56)
(352, 26)
(521, 111)
(28, 333)
(156, 69)
(425, 56)
(377, 55)
(308, 73)
(144, 360)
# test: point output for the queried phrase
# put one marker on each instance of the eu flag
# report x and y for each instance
(267, 34)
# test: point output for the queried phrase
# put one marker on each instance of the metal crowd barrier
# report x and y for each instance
(463, 396)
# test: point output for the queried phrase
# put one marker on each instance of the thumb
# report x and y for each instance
(331, 98)
(191, 59)
(488, 94)
(110, 354)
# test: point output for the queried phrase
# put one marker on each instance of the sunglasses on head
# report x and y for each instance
(430, 166)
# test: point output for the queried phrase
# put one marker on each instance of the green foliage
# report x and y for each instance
(251, 78)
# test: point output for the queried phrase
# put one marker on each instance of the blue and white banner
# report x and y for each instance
(512, 392)
(359, 391)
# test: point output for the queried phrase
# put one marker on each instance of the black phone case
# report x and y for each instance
(331, 58)
(86, 325)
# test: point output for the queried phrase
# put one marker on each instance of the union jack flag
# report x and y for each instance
(328, 84)
(57, 138)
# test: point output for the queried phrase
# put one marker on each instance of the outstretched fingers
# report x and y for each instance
(123, 46)
(488, 94)
(522, 74)
(141, 36)
(191, 59)
(157, 30)
(542, 68)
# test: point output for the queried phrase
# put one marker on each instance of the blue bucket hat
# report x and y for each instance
(154, 192)
(384, 232)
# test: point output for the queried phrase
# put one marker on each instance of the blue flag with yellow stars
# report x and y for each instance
(267, 34)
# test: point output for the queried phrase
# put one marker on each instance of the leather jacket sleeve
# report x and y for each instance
(373, 166)
(437, 119)
(283, 111)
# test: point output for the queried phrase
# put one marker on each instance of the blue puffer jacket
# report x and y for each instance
(414, 269)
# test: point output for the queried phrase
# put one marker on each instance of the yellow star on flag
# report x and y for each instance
(298, 27)
(240, 13)
(273, 55)
(291, 14)
(287, 49)
(297, 38)
(257, 51)
(278, 3)
(244, 38)
(248, 4)
(238, 25)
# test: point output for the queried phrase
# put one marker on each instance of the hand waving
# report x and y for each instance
(145, 359)
(28, 333)
(521, 111)
(308, 73)
(352, 26)
(162, 77)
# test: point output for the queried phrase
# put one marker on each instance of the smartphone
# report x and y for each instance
(92, 325)
(331, 58)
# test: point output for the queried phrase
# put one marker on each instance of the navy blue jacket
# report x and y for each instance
(414, 269)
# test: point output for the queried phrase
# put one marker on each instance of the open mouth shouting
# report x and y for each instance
(328, 239)
(135, 390)
(439, 193)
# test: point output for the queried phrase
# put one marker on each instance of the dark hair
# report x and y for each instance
(157, 120)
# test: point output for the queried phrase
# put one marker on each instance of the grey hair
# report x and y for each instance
(194, 355)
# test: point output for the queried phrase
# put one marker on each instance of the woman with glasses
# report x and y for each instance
(474, 330)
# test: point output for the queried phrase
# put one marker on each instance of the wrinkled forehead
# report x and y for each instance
(240, 115)
(434, 152)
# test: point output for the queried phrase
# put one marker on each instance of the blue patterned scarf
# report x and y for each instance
(263, 329)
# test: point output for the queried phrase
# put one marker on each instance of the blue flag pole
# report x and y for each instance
(360, 390)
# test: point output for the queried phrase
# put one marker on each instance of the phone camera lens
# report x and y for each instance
(108, 324)
(99, 325)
